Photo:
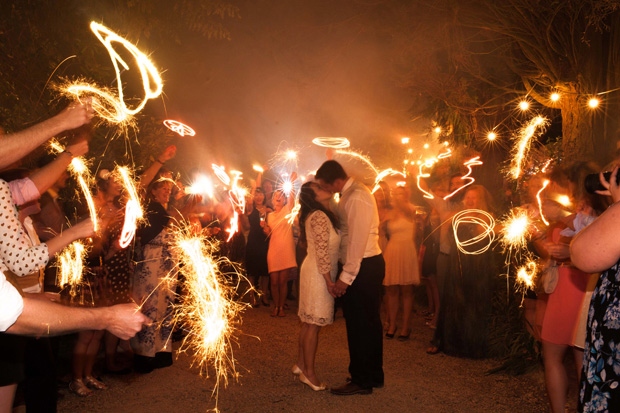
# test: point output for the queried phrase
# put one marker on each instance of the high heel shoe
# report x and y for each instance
(93, 383)
(404, 337)
(305, 380)
(391, 335)
(78, 387)
(296, 370)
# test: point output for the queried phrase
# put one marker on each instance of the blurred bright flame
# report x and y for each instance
(526, 273)
(542, 216)
(133, 209)
(524, 140)
(485, 237)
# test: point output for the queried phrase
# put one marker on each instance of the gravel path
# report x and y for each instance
(415, 381)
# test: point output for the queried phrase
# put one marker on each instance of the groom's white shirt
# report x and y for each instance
(359, 228)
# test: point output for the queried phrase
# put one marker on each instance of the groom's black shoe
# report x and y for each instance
(349, 389)
(376, 385)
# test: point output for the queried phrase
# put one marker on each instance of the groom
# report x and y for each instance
(361, 279)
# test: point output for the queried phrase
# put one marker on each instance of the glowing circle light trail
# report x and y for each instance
(179, 128)
(485, 237)
(335, 143)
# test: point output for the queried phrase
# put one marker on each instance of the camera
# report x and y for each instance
(593, 183)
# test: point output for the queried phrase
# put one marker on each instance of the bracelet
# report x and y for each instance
(67, 152)
(157, 160)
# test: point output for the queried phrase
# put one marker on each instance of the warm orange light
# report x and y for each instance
(524, 105)
(437, 129)
(405, 141)
(593, 103)
(491, 136)
(555, 97)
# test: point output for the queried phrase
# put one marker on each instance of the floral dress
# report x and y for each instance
(601, 365)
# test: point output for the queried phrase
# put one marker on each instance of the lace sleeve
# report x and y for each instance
(318, 225)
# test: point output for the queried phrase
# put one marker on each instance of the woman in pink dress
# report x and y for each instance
(281, 254)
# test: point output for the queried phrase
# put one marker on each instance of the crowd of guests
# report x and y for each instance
(336, 249)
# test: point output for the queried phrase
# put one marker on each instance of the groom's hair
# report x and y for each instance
(330, 171)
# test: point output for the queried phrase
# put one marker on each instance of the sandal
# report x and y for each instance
(281, 313)
(93, 383)
(275, 312)
(78, 387)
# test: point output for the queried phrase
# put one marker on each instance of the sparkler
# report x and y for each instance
(525, 136)
(335, 143)
(515, 230)
(526, 273)
(291, 216)
(472, 162)
(71, 266)
(207, 311)
(545, 183)
(179, 128)
(133, 209)
(257, 168)
(202, 185)
(475, 217)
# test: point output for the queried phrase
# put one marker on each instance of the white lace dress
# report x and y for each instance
(316, 305)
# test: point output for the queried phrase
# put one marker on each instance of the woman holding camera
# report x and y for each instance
(597, 249)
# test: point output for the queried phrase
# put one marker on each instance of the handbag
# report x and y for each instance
(550, 276)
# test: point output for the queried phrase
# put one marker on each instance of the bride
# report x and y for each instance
(318, 273)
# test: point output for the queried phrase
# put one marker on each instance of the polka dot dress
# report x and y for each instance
(16, 255)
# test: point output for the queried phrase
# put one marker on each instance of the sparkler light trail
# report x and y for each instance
(291, 216)
(82, 173)
(179, 128)
(220, 172)
(361, 157)
(236, 194)
(133, 209)
(525, 136)
(105, 104)
(207, 311)
(475, 217)
(382, 175)
(257, 168)
(71, 266)
(335, 143)
(472, 162)
(428, 164)
(542, 216)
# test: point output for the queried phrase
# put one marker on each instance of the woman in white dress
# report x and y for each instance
(401, 261)
(317, 277)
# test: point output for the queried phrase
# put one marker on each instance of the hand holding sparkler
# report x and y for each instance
(83, 229)
(75, 115)
(123, 320)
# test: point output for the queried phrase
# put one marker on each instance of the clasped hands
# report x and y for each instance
(337, 289)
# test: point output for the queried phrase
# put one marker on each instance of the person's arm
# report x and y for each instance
(19, 144)
(45, 177)
(148, 175)
(319, 226)
(80, 230)
(359, 220)
(597, 247)
(41, 317)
